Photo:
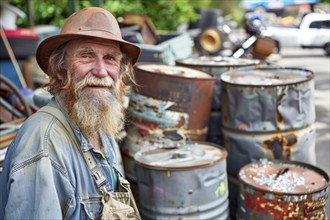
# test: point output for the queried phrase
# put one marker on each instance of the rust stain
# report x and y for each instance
(144, 127)
(181, 122)
(154, 108)
(280, 145)
(315, 205)
(281, 208)
(290, 140)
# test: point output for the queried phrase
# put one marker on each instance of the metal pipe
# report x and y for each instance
(13, 58)
(10, 108)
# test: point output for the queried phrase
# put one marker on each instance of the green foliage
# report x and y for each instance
(51, 12)
(165, 14)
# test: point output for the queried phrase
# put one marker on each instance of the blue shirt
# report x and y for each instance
(45, 176)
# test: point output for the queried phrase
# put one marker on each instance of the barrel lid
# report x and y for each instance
(267, 76)
(284, 177)
(217, 61)
(175, 71)
(188, 156)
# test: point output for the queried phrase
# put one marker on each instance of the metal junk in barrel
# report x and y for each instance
(216, 65)
(267, 113)
(282, 190)
(183, 182)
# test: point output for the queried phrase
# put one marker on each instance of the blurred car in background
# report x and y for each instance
(312, 32)
(276, 6)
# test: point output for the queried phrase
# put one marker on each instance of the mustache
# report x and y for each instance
(94, 81)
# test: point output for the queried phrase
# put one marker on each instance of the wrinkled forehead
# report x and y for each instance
(96, 44)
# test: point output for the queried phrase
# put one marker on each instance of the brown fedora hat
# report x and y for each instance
(93, 22)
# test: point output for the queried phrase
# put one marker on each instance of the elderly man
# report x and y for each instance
(63, 162)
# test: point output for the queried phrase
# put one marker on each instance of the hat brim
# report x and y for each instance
(47, 46)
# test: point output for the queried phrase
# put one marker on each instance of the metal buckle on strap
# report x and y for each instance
(97, 174)
(99, 178)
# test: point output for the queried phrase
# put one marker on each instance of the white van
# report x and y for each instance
(312, 32)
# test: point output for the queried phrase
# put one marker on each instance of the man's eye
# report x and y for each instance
(110, 58)
(85, 56)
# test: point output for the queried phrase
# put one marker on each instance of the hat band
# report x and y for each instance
(93, 29)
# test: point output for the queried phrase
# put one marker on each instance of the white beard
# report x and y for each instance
(98, 111)
(95, 111)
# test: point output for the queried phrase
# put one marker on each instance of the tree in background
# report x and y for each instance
(166, 15)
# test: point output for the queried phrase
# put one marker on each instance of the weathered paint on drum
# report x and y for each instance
(267, 112)
(216, 65)
(244, 148)
(170, 105)
(282, 190)
(171, 102)
(183, 182)
(267, 99)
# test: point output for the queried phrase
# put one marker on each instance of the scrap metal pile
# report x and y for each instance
(207, 111)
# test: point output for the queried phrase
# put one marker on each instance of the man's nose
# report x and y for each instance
(100, 69)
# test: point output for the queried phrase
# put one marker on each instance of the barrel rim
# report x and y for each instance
(309, 78)
(211, 163)
(256, 62)
(298, 163)
(210, 77)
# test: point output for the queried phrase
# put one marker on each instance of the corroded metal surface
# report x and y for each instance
(170, 105)
(172, 99)
(244, 148)
(267, 112)
(183, 182)
(268, 99)
(282, 190)
(216, 65)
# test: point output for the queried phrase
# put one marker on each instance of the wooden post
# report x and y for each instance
(30, 12)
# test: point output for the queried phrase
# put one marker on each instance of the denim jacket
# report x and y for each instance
(45, 176)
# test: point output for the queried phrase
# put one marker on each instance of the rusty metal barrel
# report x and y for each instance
(183, 182)
(170, 105)
(267, 112)
(216, 65)
(282, 190)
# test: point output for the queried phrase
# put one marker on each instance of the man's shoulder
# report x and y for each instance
(40, 136)
(40, 123)
(37, 133)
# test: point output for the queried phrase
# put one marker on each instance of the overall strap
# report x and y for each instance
(97, 174)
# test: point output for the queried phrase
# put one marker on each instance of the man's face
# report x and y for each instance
(97, 58)
(93, 98)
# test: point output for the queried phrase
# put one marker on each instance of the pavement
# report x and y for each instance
(319, 64)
